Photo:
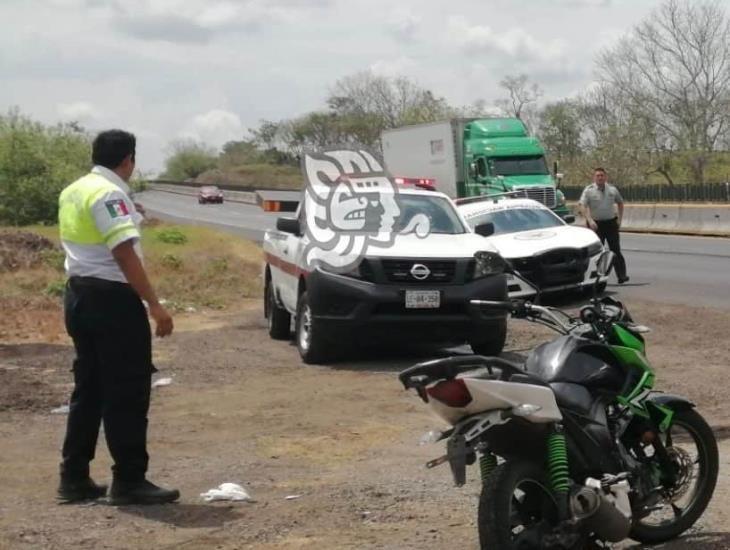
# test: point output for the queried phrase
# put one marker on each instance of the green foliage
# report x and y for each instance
(171, 236)
(188, 160)
(36, 163)
(138, 183)
(218, 265)
(171, 261)
(55, 288)
(54, 258)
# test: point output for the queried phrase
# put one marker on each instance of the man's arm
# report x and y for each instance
(136, 275)
(620, 213)
(585, 211)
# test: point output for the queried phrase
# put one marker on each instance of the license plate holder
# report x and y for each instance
(423, 299)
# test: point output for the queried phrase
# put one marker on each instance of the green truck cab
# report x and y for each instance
(474, 157)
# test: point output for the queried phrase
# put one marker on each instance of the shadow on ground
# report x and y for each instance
(187, 515)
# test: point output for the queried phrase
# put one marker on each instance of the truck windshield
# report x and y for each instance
(516, 219)
(441, 214)
(519, 166)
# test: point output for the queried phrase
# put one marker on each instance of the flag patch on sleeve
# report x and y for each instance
(117, 208)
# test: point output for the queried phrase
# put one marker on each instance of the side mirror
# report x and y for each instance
(484, 229)
(288, 225)
(604, 263)
(569, 218)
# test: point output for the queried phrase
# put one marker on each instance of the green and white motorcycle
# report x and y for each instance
(575, 447)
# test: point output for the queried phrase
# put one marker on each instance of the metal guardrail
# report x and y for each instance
(223, 186)
(707, 192)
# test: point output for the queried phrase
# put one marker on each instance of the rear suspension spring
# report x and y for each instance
(558, 471)
(487, 464)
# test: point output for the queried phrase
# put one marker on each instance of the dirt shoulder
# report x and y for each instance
(343, 439)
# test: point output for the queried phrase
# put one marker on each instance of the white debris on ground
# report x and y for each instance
(63, 409)
(161, 382)
(227, 491)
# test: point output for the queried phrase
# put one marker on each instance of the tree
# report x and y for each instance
(189, 159)
(560, 128)
(673, 71)
(36, 163)
(521, 96)
(367, 104)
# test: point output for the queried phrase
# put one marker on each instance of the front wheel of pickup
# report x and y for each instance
(490, 341)
(311, 341)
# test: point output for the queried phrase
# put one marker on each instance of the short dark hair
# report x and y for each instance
(599, 169)
(111, 147)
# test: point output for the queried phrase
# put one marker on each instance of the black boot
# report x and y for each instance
(76, 490)
(140, 492)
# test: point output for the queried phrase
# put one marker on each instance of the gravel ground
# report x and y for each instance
(342, 439)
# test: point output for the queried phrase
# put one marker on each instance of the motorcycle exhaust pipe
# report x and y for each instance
(597, 511)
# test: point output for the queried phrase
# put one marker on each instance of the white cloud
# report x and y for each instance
(400, 66)
(586, 3)
(515, 43)
(200, 20)
(403, 24)
(78, 111)
(214, 128)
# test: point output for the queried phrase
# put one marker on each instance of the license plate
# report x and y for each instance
(423, 299)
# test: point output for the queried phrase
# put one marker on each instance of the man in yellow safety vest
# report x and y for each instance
(107, 320)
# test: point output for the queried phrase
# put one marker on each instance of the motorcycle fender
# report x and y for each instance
(674, 402)
(661, 407)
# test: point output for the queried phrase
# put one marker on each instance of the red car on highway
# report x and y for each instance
(210, 193)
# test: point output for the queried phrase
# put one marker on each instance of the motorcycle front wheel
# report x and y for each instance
(517, 510)
(692, 450)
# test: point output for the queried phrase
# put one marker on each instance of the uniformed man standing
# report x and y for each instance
(598, 204)
(107, 321)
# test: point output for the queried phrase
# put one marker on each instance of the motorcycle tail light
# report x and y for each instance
(453, 393)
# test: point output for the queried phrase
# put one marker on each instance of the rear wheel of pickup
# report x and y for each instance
(278, 318)
(491, 341)
(311, 341)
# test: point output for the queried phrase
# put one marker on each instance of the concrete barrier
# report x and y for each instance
(683, 219)
(665, 219)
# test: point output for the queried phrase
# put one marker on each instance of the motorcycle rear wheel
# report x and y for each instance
(517, 509)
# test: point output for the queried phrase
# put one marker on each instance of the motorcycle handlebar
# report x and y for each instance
(495, 304)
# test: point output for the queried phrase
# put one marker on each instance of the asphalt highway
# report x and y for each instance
(664, 268)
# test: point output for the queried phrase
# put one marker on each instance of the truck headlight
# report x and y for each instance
(560, 197)
(488, 263)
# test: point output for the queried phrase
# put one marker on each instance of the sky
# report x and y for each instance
(209, 70)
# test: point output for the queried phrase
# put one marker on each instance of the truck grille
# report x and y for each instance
(439, 271)
(545, 195)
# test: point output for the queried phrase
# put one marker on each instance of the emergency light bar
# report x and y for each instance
(423, 183)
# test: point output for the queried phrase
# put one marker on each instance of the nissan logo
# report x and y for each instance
(420, 272)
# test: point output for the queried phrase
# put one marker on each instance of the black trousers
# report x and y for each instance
(112, 373)
(608, 231)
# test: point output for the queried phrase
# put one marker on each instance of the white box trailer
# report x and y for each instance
(431, 150)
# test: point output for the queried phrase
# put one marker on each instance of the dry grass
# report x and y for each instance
(211, 270)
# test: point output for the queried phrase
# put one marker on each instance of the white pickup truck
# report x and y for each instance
(417, 288)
